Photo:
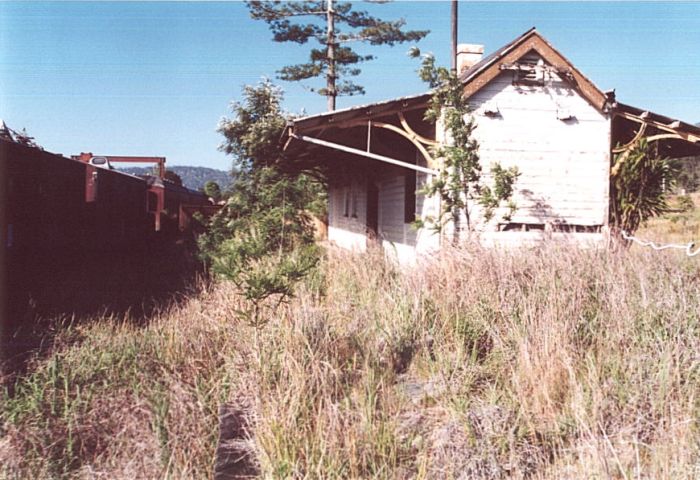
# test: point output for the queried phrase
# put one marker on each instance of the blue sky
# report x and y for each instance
(135, 78)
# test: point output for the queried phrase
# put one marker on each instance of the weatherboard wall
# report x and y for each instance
(347, 215)
(559, 142)
(557, 139)
(401, 239)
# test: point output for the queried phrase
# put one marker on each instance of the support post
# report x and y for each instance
(330, 77)
(454, 36)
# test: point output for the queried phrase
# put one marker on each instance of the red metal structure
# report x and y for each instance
(155, 200)
(160, 161)
(66, 219)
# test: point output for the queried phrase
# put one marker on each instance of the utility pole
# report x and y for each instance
(330, 77)
(454, 37)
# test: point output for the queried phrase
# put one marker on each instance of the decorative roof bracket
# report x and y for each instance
(670, 132)
(419, 141)
(362, 153)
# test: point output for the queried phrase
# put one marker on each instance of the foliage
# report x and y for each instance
(22, 137)
(641, 183)
(686, 173)
(262, 240)
(252, 134)
(335, 60)
(212, 190)
(173, 177)
(460, 183)
(685, 203)
(680, 225)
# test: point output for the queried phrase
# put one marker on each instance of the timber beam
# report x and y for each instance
(362, 153)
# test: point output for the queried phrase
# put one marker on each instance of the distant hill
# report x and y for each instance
(192, 177)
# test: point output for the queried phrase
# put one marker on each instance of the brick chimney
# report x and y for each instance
(468, 54)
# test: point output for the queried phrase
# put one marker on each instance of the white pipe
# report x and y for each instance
(362, 153)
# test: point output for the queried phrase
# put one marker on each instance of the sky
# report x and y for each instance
(155, 78)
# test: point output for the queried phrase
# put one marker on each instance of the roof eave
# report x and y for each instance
(361, 112)
(670, 122)
(473, 82)
(482, 73)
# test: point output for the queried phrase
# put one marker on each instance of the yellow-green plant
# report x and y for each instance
(641, 183)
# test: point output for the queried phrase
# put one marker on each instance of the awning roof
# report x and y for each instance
(677, 126)
(474, 79)
(367, 112)
(478, 76)
(673, 138)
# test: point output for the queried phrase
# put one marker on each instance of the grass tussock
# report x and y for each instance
(551, 363)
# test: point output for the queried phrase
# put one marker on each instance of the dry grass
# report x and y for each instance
(675, 227)
(550, 363)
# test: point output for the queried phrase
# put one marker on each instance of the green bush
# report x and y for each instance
(262, 240)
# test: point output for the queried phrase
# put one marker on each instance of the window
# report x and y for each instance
(354, 194)
(409, 206)
(346, 201)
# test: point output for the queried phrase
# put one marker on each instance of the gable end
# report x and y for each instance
(533, 41)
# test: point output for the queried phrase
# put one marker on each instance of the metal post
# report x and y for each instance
(454, 37)
(330, 76)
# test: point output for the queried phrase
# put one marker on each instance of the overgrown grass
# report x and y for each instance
(682, 225)
(548, 363)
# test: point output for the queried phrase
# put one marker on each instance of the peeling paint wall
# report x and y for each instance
(559, 142)
(347, 215)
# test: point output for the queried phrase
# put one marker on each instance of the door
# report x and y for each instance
(372, 210)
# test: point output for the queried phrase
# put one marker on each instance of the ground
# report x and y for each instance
(678, 226)
(546, 363)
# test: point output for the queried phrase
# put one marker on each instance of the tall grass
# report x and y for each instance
(546, 363)
(681, 225)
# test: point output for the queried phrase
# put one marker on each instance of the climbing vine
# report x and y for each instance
(460, 182)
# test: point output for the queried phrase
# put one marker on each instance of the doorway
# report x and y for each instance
(372, 210)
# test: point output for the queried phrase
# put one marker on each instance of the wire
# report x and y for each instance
(645, 243)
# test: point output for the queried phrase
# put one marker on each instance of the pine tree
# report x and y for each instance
(262, 240)
(335, 60)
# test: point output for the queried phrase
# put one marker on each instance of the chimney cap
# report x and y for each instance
(470, 48)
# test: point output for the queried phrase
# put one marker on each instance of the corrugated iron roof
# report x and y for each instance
(368, 111)
(668, 121)
(372, 110)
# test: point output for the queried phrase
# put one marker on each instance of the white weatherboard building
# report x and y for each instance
(533, 110)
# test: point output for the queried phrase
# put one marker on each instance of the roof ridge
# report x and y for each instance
(493, 56)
